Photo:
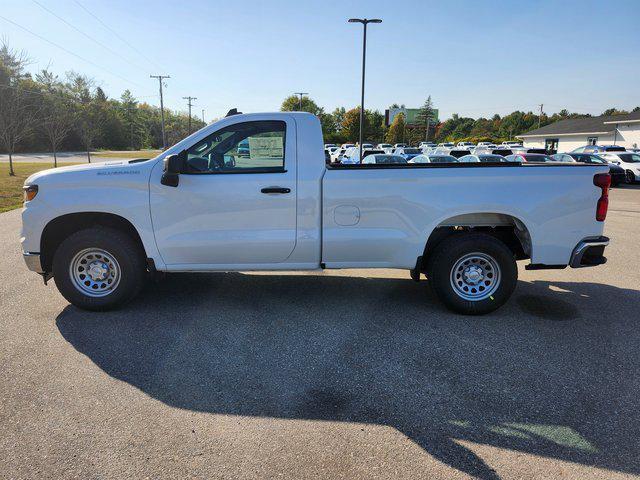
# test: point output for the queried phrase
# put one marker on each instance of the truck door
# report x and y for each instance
(236, 199)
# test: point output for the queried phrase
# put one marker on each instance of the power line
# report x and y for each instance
(88, 36)
(70, 52)
(117, 35)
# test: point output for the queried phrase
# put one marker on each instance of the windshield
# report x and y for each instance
(412, 150)
(443, 159)
(538, 158)
(595, 159)
(629, 157)
(491, 158)
(389, 159)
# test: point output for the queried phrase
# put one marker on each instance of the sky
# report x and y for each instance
(474, 58)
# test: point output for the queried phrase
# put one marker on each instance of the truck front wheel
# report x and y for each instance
(98, 268)
(472, 273)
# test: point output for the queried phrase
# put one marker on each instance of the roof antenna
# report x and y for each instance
(233, 111)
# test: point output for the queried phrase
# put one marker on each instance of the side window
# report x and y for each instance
(248, 147)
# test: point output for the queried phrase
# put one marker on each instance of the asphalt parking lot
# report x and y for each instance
(335, 374)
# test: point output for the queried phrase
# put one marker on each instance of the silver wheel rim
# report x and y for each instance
(475, 276)
(94, 272)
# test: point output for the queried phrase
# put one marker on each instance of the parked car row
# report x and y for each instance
(624, 165)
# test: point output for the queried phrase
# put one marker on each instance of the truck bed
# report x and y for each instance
(381, 215)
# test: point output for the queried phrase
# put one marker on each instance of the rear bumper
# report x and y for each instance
(33, 261)
(589, 252)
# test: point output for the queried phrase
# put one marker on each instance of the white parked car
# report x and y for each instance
(628, 160)
(337, 154)
(466, 145)
(382, 159)
(563, 158)
(446, 145)
(512, 144)
(407, 152)
(387, 147)
(400, 145)
(482, 158)
(350, 155)
(354, 155)
(327, 146)
(102, 229)
(424, 158)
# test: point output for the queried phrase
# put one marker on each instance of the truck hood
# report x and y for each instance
(111, 168)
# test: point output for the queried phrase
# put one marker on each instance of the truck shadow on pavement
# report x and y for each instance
(553, 373)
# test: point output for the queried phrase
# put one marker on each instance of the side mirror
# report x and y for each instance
(173, 165)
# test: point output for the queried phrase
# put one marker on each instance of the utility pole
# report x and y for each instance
(300, 100)
(188, 99)
(364, 23)
(164, 136)
(540, 116)
(203, 116)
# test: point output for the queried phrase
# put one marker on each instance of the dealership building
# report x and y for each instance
(572, 133)
(411, 115)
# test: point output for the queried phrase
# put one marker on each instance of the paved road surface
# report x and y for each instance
(354, 374)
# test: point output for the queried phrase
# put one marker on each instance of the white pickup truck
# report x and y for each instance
(101, 229)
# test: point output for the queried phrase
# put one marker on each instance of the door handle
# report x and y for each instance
(275, 190)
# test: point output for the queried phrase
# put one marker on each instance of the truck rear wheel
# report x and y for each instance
(98, 268)
(473, 273)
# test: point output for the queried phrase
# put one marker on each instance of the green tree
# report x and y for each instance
(56, 119)
(425, 120)
(373, 130)
(614, 111)
(292, 104)
(351, 124)
(395, 134)
(18, 111)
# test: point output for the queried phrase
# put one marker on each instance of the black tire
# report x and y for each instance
(630, 177)
(124, 250)
(489, 250)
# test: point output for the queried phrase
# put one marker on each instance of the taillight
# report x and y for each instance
(602, 180)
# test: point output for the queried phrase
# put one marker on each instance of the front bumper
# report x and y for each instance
(589, 252)
(33, 261)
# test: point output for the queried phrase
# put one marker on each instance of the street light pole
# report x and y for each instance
(300, 100)
(364, 22)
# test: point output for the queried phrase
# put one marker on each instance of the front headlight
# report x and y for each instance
(30, 192)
